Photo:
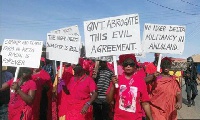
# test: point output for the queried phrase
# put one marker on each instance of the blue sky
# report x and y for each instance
(33, 19)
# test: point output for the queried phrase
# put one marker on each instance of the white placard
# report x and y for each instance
(164, 38)
(103, 58)
(63, 48)
(140, 55)
(72, 30)
(21, 53)
(112, 36)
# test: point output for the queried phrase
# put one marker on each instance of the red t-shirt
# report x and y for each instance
(81, 89)
(16, 104)
(128, 97)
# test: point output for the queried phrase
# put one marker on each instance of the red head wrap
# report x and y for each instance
(87, 65)
(166, 58)
(123, 57)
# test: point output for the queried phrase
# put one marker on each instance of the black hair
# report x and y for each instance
(24, 70)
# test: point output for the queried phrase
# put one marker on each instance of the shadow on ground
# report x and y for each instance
(184, 101)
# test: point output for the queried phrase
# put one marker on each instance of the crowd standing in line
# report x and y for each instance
(78, 95)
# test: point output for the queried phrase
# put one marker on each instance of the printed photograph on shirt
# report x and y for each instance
(127, 101)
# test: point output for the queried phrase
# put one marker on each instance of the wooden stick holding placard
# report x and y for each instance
(15, 78)
(159, 62)
(115, 69)
(60, 70)
(55, 68)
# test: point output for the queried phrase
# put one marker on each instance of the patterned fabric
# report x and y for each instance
(103, 81)
(49, 69)
(128, 96)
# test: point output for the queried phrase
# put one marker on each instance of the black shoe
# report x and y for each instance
(193, 102)
(189, 104)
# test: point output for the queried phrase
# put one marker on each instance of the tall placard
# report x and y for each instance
(21, 53)
(112, 36)
(164, 38)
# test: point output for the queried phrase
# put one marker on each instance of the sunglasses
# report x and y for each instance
(131, 64)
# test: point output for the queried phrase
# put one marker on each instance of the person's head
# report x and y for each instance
(128, 62)
(66, 64)
(78, 70)
(190, 60)
(25, 73)
(103, 64)
(166, 65)
(84, 66)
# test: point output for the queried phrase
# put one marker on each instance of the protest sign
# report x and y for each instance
(141, 55)
(163, 38)
(179, 66)
(112, 36)
(61, 48)
(103, 58)
(72, 30)
(21, 53)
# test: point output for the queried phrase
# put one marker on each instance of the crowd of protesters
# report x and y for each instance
(87, 92)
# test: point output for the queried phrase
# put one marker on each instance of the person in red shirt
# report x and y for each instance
(165, 96)
(61, 96)
(41, 103)
(131, 96)
(21, 100)
(81, 91)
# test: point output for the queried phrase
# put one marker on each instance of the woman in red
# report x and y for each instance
(43, 82)
(165, 95)
(81, 92)
(132, 94)
(20, 105)
(61, 96)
